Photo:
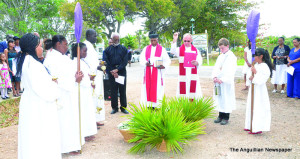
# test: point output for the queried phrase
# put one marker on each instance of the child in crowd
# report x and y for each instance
(5, 78)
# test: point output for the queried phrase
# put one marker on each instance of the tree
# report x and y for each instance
(20, 17)
(223, 19)
(103, 14)
(157, 13)
(129, 41)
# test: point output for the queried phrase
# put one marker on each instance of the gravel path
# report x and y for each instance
(217, 143)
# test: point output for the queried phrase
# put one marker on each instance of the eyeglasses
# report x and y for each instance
(186, 41)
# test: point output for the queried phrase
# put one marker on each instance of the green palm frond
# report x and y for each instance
(176, 122)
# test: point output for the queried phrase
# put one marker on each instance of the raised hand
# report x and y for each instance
(175, 36)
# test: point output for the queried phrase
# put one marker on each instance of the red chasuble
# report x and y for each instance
(151, 76)
(182, 72)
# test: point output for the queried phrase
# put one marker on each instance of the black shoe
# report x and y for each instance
(124, 111)
(3, 98)
(224, 122)
(114, 111)
(218, 120)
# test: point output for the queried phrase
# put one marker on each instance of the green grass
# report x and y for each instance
(9, 112)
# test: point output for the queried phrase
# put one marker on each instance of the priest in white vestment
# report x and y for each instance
(38, 130)
(92, 60)
(188, 79)
(60, 67)
(261, 106)
(154, 59)
(223, 77)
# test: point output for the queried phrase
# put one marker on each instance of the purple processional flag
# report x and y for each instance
(252, 29)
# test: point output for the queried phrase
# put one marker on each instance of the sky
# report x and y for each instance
(281, 17)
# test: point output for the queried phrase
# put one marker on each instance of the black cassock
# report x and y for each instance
(117, 58)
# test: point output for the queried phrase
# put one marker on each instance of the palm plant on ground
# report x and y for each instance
(197, 110)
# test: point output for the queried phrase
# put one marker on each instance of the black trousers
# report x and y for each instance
(115, 88)
(224, 116)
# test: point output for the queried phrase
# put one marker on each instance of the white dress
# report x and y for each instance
(38, 131)
(60, 66)
(98, 97)
(189, 76)
(88, 118)
(279, 74)
(261, 109)
(160, 75)
(224, 69)
(249, 58)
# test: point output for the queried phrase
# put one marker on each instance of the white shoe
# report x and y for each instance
(274, 91)
(282, 92)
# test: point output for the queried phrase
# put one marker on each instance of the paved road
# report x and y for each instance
(135, 71)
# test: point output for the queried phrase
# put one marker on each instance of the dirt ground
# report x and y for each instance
(217, 143)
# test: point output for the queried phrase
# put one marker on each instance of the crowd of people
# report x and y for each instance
(284, 58)
(63, 101)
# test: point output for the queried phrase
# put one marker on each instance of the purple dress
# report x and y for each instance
(293, 82)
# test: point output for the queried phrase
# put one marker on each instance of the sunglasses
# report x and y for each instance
(186, 41)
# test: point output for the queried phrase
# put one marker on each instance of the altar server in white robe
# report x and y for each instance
(88, 118)
(223, 77)
(38, 130)
(154, 59)
(93, 61)
(60, 67)
(261, 107)
(188, 79)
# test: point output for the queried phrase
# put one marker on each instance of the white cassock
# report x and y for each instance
(160, 75)
(38, 130)
(60, 66)
(88, 118)
(198, 94)
(92, 60)
(224, 69)
(261, 106)
(249, 58)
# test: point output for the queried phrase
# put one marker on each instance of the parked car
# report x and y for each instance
(135, 57)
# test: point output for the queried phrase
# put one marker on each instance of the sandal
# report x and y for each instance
(259, 132)
(89, 138)
(74, 153)
(246, 130)
(99, 124)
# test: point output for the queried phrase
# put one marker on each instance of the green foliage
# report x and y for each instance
(129, 41)
(103, 14)
(193, 111)
(9, 112)
(152, 127)
(177, 121)
(40, 16)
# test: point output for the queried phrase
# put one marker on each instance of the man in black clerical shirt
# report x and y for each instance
(116, 58)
